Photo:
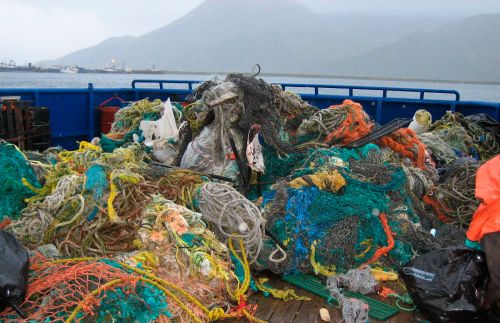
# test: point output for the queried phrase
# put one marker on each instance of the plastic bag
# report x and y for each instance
(254, 150)
(14, 267)
(448, 284)
(161, 129)
(199, 153)
(199, 156)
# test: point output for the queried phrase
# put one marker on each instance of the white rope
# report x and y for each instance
(66, 186)
(232, 215)
(276, 251)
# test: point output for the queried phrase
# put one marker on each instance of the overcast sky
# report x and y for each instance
(32, 30)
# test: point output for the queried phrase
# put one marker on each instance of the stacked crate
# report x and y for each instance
(24, 125)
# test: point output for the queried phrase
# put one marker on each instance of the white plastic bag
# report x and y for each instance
(164, 128)
(254, 150)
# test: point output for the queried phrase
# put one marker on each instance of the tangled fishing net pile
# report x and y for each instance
(257, 179)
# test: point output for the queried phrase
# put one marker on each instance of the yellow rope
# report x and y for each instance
(126, 177)
(317, 267)
(285, 294)
(213, 315)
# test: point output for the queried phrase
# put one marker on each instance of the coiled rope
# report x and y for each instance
(232, 215)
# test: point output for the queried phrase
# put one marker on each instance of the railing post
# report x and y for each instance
(91, 130)
(378, 113)
(36, 98)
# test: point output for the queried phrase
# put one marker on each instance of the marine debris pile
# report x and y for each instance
(255, 179)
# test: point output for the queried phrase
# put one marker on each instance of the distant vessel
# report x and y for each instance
(111, 67)
(69, 70)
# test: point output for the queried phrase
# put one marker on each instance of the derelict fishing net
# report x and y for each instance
(14, 168)
(334, 226)
(339, 124)
(99, 290)
(466, 137)
(333, 209)
(456, 192)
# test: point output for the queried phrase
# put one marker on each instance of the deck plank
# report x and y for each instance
(273, 310)
(334, 311)
(308, 311)
(285, 312)
(266, 306)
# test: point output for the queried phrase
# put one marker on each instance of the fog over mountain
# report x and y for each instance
(284, 36)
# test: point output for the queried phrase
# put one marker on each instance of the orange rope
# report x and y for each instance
(385, 292)
(356, 125)
(404, 141)
(390, 240)
(438, 208)
(5, 223)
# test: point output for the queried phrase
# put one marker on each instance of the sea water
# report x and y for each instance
(479, 92)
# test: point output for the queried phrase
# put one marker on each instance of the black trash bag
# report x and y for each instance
(14, 267)
(448, 284)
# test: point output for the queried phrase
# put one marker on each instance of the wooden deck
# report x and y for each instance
(276, 311)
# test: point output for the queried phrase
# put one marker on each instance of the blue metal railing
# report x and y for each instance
(74, 115)
(384, 90)
(161, 82)
(318, 87)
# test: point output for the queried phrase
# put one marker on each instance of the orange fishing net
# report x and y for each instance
(405, 142)
(355, 125)
(57, 289)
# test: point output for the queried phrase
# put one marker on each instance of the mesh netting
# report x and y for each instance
(96, 290)
(14, 167)
(466, 137)
(341, 230)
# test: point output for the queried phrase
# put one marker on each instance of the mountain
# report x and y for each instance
(228, 35)
(466, 50)
(283, 36)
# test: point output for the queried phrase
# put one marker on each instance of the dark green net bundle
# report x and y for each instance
(326, 231)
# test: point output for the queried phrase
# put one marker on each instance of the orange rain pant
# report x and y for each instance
(487, 217)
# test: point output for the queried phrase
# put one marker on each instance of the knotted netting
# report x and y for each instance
(89, 290)
(327, 230)
(14, 167)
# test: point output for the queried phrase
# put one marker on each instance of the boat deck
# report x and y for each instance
(277, 311)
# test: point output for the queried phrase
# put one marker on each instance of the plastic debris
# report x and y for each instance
(14, 262)
(324, 314)
(185, 243)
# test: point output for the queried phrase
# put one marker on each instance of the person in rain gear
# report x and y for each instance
(485, 225)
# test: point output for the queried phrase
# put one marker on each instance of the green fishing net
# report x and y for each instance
(344, 227)
(142, 303)
(14, 167)
(128, 119)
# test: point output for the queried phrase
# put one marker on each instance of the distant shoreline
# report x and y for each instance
(294, 75)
